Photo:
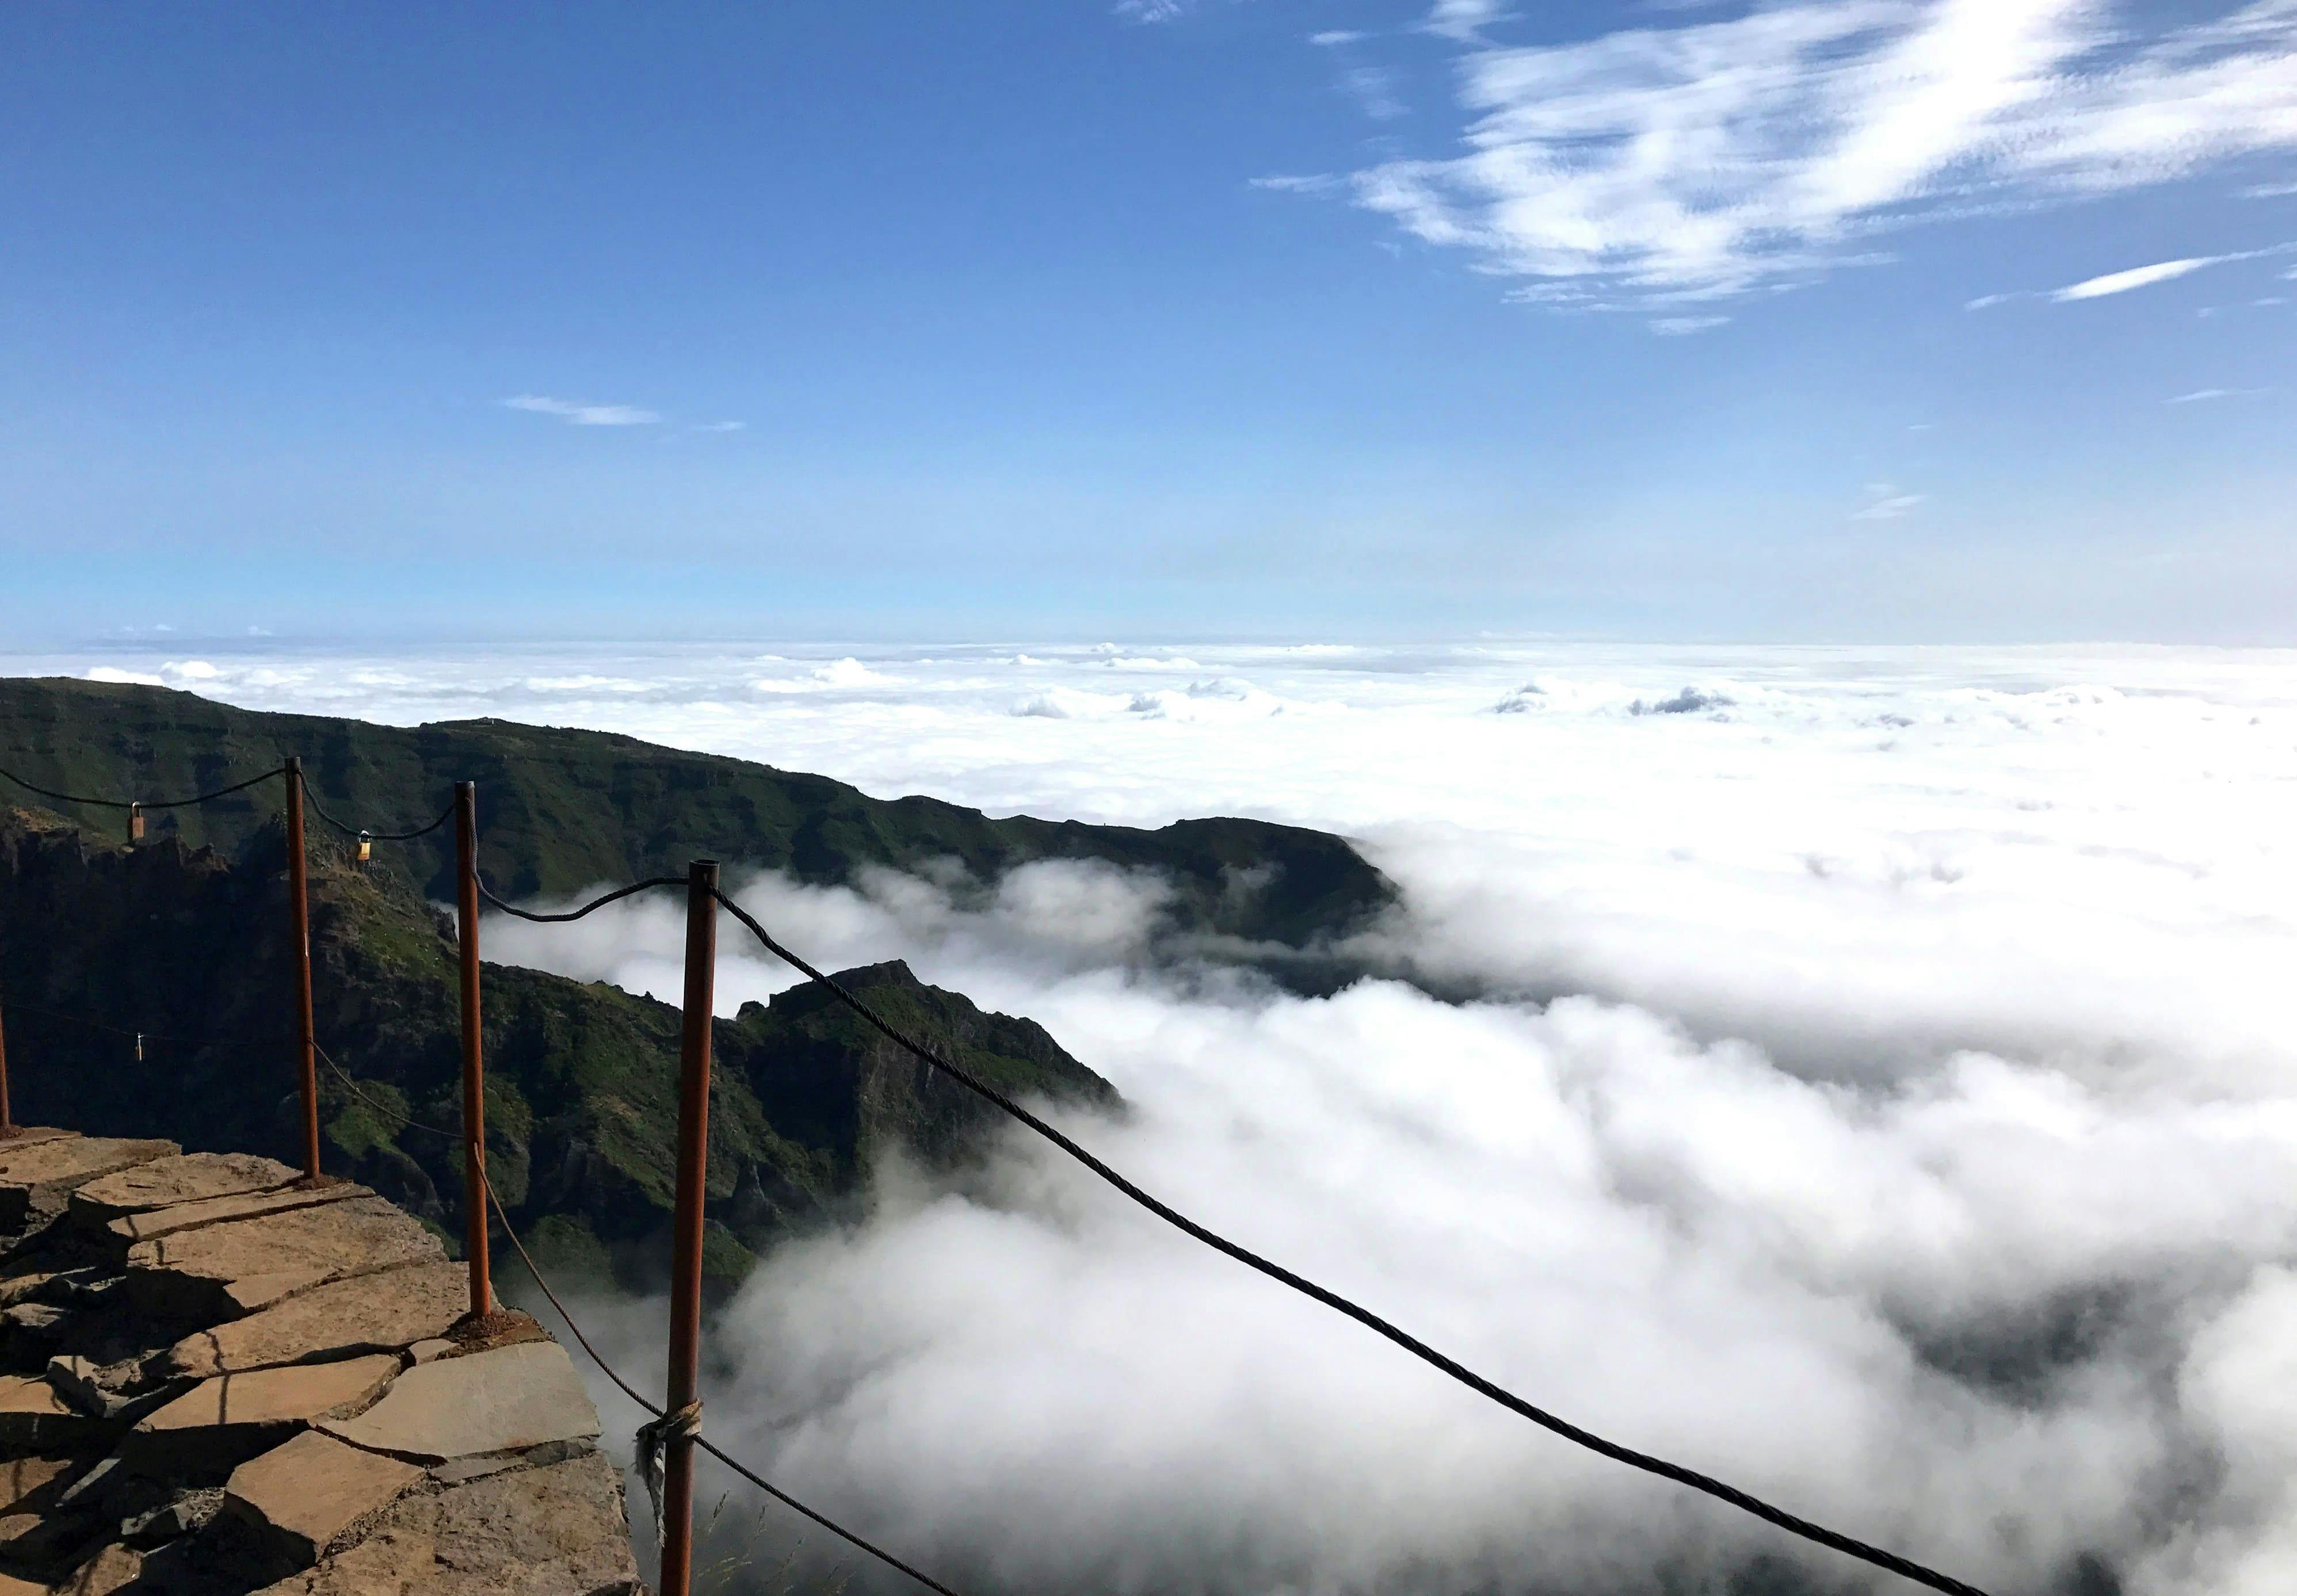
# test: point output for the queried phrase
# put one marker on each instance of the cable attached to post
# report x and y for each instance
(616, 896)
(135, 806)
(365, 834)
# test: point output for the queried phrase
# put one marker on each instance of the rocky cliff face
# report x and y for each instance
(216, 1381)
(189, 947)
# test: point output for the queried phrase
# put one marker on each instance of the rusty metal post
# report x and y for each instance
(474, 1098)
(686, 1257)
(299, 912)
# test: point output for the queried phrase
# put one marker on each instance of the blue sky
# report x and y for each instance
(1259, 317)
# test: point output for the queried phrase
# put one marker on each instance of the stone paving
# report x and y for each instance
(217, 1382)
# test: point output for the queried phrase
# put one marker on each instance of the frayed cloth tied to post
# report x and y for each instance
(680, 1424)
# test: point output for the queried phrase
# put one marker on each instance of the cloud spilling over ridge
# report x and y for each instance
(1698, 158)
(1980, 1309)
(1878, 1091)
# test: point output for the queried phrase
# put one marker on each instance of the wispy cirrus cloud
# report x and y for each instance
(2123, 282)
(581, 414)
(2202, 395)
(1462, 19)
(1707, 159)
(2137, 276)
(1884, 502)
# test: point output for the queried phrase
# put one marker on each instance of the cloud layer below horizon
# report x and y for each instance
(1879, 1096)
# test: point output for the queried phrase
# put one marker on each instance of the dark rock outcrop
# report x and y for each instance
(189, 948)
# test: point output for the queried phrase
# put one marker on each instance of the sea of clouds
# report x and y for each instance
(1869, 1076)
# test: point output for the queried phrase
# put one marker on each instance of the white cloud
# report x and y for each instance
(1886, 503)
(720, 426)
(1333, 37)
(1150, 11)
(582, 415)
(1374, 89)
(2123, 280)
(2137, 276)
(2201, 394)
(1462, 20)
(1905, 1052)
(1711, 158)
(1676, 327)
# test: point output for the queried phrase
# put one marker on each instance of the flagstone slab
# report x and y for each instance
(33, 1417)
(224, 1271)
(221, 1422)
(21, 1478)
(134, 1227)
(560, 1530)
(186, 1178)
(106, 1572)
(370, 1313)
(300, 1497)
(504, 1401)
(38, 1178)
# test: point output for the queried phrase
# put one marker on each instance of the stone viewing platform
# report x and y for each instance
(215, 1381)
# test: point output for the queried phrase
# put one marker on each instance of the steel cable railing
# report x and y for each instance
(136, 804)
(607, 1369)
(1647, 1462)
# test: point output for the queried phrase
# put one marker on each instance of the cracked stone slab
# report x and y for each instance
(38, 1178)
(106, 1572)
(186, 1178)
(301, 1497)
(553, 1531)
(504, 1401)
(33, 1417)
(24, 1481)
(368, 1312)
(226, 1271)
(134, 1228)
(221, 1422)
(27, 1287)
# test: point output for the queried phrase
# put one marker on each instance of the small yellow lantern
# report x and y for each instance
(135, 822)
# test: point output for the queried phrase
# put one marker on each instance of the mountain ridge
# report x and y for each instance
(562, 808)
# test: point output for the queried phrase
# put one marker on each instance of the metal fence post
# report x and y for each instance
(7, 1119)
(686, 1259)
(299, 911)
(474, 1098)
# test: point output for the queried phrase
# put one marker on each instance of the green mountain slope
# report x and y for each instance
(563, 809)
(191, 948)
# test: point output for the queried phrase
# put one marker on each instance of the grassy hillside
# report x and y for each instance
(563, 809)
(190, 946)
